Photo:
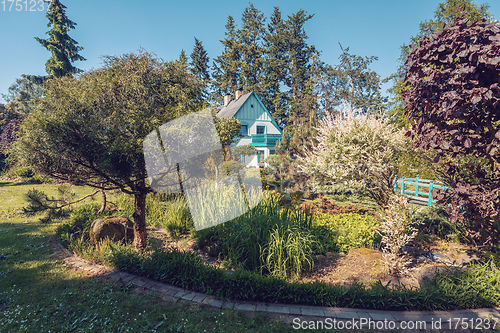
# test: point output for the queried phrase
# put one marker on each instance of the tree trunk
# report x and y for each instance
(103, 206)
(140, 234)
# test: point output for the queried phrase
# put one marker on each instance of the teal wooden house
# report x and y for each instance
(257, 125)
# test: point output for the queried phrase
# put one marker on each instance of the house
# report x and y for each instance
(257, 125)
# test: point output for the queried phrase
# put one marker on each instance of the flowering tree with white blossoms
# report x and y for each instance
(361, 151)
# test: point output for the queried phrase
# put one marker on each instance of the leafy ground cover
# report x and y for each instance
(40, 294)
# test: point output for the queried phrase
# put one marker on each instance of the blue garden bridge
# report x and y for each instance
(419, 191)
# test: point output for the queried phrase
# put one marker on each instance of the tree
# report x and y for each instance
(444, 16)
(199, 65)
(251, 36)
(227, 67)
(355, 84)
(63, 48)
(183, 60)
(8, 135)
(275, 68)
(300, 55)
(90, 129)
(361, 151)
(452, 96)
(245, 150)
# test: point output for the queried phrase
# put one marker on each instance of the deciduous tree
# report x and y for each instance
(360, 151)
(452, 96)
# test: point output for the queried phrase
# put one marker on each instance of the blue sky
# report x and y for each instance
(166, 27)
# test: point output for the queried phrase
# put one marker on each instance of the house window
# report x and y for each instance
(244, 130)
(261, 129)
(272, 152)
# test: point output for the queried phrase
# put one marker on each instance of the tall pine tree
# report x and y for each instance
(64, 49)
(199, 66)
(227, 66)
(300, 56)
(199, 61)
(251, 37)
(275, 68)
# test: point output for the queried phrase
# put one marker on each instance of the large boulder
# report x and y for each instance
(112, 227)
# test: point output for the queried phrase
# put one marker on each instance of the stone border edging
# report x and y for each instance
(175, 293)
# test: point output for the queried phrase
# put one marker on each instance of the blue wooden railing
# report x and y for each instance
(419, 193)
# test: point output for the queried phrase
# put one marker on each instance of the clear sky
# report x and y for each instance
(115, 27)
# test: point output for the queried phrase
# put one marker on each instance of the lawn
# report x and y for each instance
(40, 294)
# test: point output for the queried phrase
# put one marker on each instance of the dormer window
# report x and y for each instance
(261, 129)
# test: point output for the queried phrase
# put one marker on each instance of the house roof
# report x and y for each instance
(230, 110)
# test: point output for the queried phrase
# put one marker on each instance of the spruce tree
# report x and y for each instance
(183, 60)
(275, 68)
(300, 55)
(199, 61)
(227, 66)
(198, 66)
(251, 37)
(64, 49)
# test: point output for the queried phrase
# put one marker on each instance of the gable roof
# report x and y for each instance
(234, 106)
(230, 110)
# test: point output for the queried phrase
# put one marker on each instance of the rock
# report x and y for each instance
(330, 254)
(320, 257)
(427, 273)
(436, 257)
(113, 227)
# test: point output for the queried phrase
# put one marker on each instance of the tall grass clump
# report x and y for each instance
(246, 241)
(289, 251)
(162, 210)
(170, 212)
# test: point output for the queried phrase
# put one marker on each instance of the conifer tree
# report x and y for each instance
(64, 49)
(251, 37)
(227, 67)
(183, 60)
(199, 61)
(275, 69)
(300, 54)
(199, 65)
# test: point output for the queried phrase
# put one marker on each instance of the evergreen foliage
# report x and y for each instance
(63, 48)
(90, 129)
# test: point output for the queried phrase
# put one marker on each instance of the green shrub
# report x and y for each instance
(434, 220)
(24, 172)
(477, 283)
(348, 231)
(168, 211)
(77, 226)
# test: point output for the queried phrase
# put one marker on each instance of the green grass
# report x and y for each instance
(40, 294)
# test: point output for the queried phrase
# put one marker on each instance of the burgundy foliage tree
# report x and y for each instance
(452, 99)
